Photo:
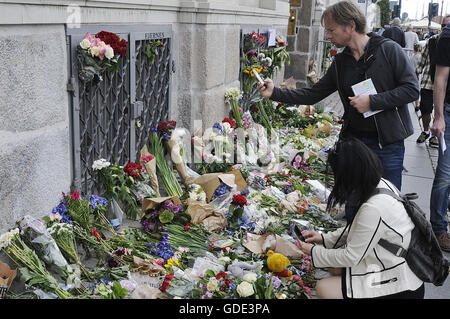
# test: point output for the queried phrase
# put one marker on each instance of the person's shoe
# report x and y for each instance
(423, 137)
(444, 241)
(433, 142)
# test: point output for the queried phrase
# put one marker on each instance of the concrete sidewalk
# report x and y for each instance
(420, 162)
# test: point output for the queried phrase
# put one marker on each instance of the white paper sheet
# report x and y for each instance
(443, 146)
(365, 87)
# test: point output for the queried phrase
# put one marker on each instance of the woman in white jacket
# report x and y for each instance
(360, 267)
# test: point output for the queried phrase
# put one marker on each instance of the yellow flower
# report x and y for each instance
(171, 262)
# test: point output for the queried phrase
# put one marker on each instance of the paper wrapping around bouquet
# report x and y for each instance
(210, 182)
(153, 203)
(206, 214)
(7, 275)
(282, 246)
(150, 168)
(175, 154)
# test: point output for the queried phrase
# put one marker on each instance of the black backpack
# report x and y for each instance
(424, 255)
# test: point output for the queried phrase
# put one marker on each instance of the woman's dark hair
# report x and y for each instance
(357, 170)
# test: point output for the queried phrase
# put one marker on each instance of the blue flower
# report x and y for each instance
(228, 231)
(98, 200)
(217, 128)
(220, 191)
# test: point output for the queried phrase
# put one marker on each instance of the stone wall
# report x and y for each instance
(35, 149)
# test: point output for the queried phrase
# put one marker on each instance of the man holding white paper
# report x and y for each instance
(441, 129)
(384, 80)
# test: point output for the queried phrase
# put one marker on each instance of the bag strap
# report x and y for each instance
(395, 249)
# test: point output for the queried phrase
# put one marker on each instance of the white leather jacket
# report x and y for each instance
(371, 270)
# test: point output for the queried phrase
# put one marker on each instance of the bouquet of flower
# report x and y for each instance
(166, 212)
(64, 236)
(215, 285)
(233, 97)
(117, 182)
(237, 208)
(100, 53)
(88, 212)
(166, 173)
(151, 50)
(32, 269)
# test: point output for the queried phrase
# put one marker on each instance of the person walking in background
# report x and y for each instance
(441, 128)
(411, 38)
(395, 33)
(425, 71)
(365, 56)
(359, 266)
(415, 61)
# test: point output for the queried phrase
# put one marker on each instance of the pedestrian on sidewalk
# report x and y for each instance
(441, 128)
(359, 266)
(365, 56)
(425, 70)
(395, 33)
(411, 39)
(415, 59)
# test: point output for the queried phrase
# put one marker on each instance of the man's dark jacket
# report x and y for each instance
(396, 34)
(393, 77)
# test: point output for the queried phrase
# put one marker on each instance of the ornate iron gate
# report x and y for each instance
(111, 119)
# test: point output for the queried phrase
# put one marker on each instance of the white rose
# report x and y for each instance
(109, 54)
(250, 277)
(245, 289)
(212, 284)
(85, 44)
(280, 295)
(94, 51)
(99, 164)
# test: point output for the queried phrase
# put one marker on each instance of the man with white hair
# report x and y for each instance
(411, 38)
(395, 33)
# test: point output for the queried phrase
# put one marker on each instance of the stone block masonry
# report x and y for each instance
(35, 121)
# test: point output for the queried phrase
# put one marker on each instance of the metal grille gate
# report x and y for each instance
(112, 119)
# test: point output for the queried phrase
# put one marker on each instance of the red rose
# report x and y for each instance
(186, 228)
(119, 46)
(231, 121)
(75, 195)
(333, 52)
(239, 200)
(221, 275)
(166, 127)
(133, 169)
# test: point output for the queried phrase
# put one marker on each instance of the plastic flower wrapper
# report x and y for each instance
(64, 237)
(32, 269)
(142, 189)
(181, 284)
(34, 232)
